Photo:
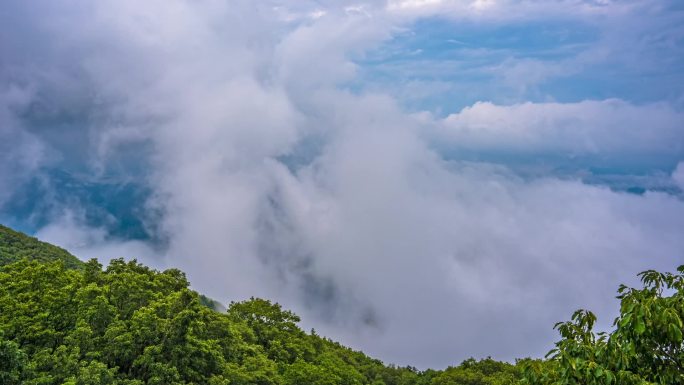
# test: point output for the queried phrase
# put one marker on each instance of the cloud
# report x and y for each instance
(70, 232)
(269, 175)
(431, 248)
(607, 128)
(498, 10)
(516, 51)
(678, 175)
(21, 153)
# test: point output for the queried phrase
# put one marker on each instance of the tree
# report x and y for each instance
(646, 346)
(275, 329)
(483, 372)
(12, 362)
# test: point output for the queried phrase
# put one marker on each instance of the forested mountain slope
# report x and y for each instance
(129, 324)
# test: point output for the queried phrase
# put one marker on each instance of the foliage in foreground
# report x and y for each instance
(646, 346)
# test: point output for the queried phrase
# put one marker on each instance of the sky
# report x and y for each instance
(423, 180)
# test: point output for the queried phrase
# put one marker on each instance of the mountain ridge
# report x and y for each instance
(15, 245)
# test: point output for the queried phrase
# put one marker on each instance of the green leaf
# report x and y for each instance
(640, 327)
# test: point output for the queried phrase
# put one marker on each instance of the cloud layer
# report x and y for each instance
(609, 128)
(269, 173)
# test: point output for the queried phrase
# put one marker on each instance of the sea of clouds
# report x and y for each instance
(418, 237)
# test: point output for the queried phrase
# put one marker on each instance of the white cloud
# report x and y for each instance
(608, 128)
(431, 248)
(500, 10)
(69, 232)
(678, 175)
(522, 50)
(21, 153)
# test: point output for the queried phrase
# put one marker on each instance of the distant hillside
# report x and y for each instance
(15, 246)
